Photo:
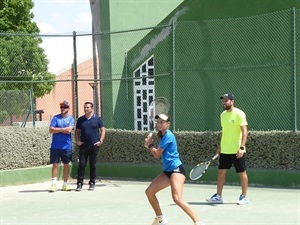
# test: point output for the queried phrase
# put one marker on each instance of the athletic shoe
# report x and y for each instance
(242, 200)
(91, 187)
(199, 223)
(66, 187)
(217, 199)
(53, 188)
(160, 221)
(79, 187)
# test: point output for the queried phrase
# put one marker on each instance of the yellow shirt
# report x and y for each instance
(231, 123)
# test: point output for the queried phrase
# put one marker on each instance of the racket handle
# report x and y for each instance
(150, 134)
(216, 156)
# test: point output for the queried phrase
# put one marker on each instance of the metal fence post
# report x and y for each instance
(295, 69)
(173, 77)
(75, 74)
(95, 90)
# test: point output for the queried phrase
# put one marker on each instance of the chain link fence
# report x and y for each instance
(192, 62)
(253, 57)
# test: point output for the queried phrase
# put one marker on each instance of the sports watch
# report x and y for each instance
(243, 149)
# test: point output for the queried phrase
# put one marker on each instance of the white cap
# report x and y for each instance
(163, 116)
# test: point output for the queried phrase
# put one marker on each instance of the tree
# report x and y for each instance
(15, 16)
(13, 102)
(21, 58)
(23, 63)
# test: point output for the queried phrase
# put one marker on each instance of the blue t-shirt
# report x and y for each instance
(89, 129)
(170, 156)
(61, 140)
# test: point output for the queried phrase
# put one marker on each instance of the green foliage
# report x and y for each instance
(23, 63)
(29, 147)
(3, 116)
(15, 16)
(23, 147)
(14, 102)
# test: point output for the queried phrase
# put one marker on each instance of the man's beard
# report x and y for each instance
(226, 107)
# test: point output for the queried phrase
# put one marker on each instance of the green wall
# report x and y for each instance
(251, 57)
(258, 177)
(223, 9)
(196, 54)
(117, 16)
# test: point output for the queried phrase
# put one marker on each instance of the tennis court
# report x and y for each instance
(124, 202)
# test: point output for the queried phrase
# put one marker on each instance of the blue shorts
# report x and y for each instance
(63, 154)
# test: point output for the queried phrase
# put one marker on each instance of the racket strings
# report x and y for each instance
(198, 171)
(161, 108)
(158, 106)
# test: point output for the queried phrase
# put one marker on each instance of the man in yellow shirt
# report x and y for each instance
(232, 148)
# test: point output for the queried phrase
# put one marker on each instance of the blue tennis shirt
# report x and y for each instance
(61, 140)
(170, 155)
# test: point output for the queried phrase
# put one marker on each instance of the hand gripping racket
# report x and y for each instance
(158, 106)
(200, 169)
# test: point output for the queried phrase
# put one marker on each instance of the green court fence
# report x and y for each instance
(192, 63)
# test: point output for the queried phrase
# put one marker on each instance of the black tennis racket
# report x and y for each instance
(158, 106)
(201, 168)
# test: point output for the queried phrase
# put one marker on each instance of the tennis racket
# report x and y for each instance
(158, 106)
(200, 169)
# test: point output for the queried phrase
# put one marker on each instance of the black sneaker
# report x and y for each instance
(91, 187)
(79, 187)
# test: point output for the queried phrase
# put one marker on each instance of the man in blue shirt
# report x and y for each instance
(61, 127)
(89, 134)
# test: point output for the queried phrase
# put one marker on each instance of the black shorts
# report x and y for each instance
(226, 161)
(180, 169)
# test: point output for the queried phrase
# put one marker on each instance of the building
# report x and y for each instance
(65, 90)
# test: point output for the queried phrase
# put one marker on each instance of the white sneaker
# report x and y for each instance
(66, 187)
(199, 223)
(160, 221)
(53, 188)
(217, 199)
(243, 200)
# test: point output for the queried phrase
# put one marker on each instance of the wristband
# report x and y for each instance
(151, 145)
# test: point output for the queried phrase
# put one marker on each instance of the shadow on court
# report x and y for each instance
(206, 203)
(73, 185)
(124, 202)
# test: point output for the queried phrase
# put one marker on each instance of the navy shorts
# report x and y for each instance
(226, 161)
(63, 154)
(180, 170)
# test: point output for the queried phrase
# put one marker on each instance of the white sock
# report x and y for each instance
(65, 182)
(160, 216)
(53, 180)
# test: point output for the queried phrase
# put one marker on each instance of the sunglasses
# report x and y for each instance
(64, 107)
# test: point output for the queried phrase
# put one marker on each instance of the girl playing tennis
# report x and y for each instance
(173, 171)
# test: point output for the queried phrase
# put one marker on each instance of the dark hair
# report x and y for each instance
(159, 134)
(89, 103)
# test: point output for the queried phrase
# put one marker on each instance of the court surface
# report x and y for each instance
(124, 202)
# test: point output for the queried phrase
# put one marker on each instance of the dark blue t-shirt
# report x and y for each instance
(89, 129)
(61, 140)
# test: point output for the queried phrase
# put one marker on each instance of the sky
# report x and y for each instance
(62, 17)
